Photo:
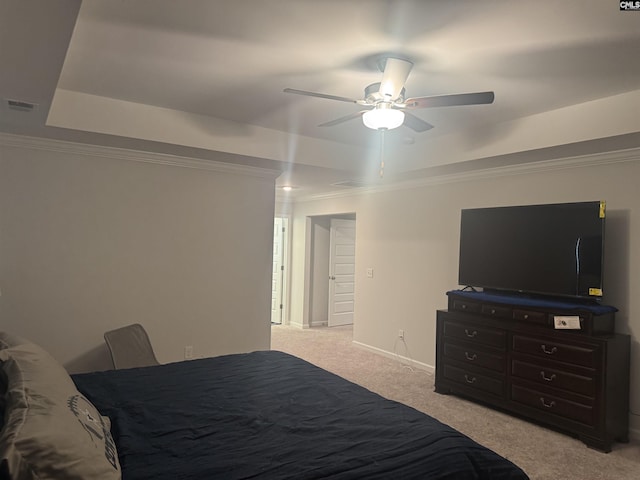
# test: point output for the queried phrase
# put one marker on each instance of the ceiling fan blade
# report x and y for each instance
(477, 98)
(396, 72)
(416, 124)
(319, 95)
(343, 119)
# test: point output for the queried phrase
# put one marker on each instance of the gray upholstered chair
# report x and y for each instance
(130, 347)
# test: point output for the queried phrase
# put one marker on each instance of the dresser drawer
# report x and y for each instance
(473, 333)
(475, 356)
(465, 306)
(553, 404)
(584, 385)
(474, 380)
(496, 311)
(539, 318)
(584, 355)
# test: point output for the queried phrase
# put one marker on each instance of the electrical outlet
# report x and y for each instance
(401, 334)
(188, 352)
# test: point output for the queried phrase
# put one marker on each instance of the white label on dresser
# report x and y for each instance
(566, 322)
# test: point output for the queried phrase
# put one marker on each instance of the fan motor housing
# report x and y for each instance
(372, 94)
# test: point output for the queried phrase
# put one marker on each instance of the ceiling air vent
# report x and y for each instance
(351, 184)
(21, 106)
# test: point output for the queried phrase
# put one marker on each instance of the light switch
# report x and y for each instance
(370, 272)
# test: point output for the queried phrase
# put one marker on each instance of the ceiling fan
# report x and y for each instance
(386, 99)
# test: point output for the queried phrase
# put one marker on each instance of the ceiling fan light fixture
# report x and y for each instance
(381, 118)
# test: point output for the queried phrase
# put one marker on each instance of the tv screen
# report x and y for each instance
(555, 249)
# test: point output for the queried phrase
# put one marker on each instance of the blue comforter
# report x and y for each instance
(274, 416)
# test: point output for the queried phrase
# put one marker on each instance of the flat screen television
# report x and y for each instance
(542, 250)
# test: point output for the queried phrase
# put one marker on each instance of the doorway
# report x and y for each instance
(331, 274)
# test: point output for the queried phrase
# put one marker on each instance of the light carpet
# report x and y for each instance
(543, 453)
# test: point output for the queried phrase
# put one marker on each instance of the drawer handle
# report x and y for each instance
(470, 357)
(548, 351)
(526, 316)
(469, 380)
(493, 311)
(548, 379)
(551, 404)
(470, 334)
(464, 306)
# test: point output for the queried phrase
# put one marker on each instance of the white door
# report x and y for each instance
(277, 277)
(342, 254)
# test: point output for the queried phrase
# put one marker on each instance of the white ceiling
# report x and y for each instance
(196, 77)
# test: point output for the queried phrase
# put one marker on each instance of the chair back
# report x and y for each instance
(130, 347)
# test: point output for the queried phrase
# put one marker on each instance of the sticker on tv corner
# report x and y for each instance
(566, 322)
(595, 292)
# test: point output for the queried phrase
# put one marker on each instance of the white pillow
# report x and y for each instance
(8, 340)
(51, 430)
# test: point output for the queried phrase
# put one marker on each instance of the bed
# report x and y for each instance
(265, 415)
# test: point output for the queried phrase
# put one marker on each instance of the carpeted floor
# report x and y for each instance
(542, 453)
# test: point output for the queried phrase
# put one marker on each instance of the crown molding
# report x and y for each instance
(581, 161)
(114, 153)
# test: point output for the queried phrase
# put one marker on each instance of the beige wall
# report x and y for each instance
(410, 238)
(89, 243)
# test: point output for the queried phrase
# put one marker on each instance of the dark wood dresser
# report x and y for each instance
(510, 356)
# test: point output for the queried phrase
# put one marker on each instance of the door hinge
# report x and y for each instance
(282, 267)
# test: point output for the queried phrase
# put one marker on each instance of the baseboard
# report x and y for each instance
(402, 359)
